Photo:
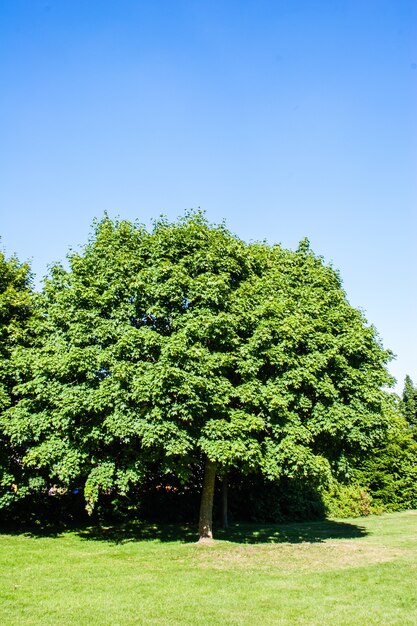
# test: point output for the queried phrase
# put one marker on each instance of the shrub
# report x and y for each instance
(347, 501)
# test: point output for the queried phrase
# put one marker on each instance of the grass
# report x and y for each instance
(359, 571)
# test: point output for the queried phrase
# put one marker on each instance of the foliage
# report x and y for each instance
(390, 472)
(185, 343)
(409, 402)
(255, 499)
(343, 501)
(17, 312)
(72, 411)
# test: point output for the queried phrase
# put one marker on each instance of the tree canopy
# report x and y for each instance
(184, 345)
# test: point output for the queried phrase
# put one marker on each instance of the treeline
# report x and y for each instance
(163, 359)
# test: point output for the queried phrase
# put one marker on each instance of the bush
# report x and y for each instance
(347, 501)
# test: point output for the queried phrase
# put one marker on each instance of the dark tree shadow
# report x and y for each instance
(308, 532)
(294, 532)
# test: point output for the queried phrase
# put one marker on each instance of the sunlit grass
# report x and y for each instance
(361, 571)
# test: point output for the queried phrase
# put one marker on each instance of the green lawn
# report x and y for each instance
(360, 571)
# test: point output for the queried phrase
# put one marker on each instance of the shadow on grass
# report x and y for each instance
(242, 533)
(310, 532)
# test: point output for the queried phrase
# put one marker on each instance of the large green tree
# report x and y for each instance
(186, 346)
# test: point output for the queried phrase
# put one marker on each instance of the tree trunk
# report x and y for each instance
(205, 527)
(225, 521)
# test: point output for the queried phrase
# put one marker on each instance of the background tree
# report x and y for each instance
(184, 346)
(390, 473)
(17, 308)
(409, 402)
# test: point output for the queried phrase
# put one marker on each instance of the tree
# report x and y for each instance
(185, 346)
(390, 472)
(17, 309)
(409, 402)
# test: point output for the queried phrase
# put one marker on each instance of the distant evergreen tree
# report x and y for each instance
(409, 402)
(389, 475)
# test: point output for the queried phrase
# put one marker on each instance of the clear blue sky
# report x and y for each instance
(287, 118)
